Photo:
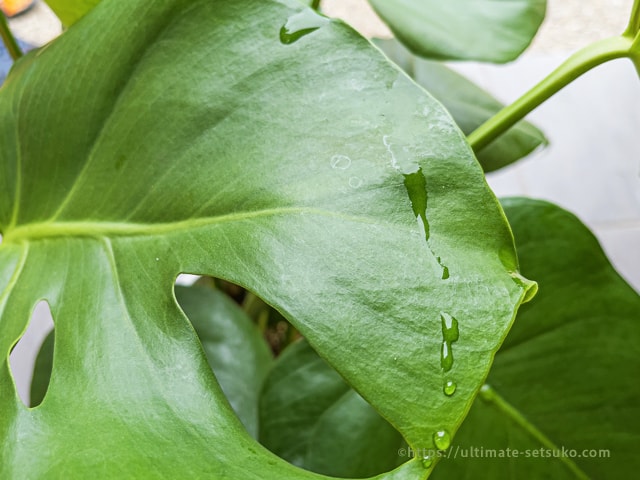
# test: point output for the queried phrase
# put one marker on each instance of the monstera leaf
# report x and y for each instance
(257, 142)
(484, 30)
(562, 395)
(235, 350)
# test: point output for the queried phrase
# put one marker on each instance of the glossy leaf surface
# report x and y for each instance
(311, 417)
(154, 138)
(469, 105)
(484, 30)
(564, 391)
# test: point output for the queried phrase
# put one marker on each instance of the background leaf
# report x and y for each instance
(70, 11)
(311, 417)
(484, 30)
(566, 376)
(42, 370)
(469, 105)
(235, 349)
(167, 137)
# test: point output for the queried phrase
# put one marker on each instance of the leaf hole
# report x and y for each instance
(232, 342)
(287, 397)
(185, 279)
(31, 358)
(310, 417)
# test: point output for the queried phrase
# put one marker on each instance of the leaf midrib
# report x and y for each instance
(100, 229)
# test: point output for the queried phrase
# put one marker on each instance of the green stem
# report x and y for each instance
(315, 4)
(253, 305)
(8, 39)
(634, 22)
(578, 64)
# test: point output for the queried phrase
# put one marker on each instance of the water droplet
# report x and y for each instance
(355, 182)
(450, 334)
(445, 269)
(446, 356)
(442, 439)
(301, 24)
(416, 185)
(340, 162)
(449, 388)
(427, 461)
(450, 331)
(387, 143)
(157, 259)
(445, 272)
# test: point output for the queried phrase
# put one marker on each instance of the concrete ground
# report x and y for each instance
(591, 168)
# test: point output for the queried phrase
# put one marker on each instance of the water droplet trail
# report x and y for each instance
(416, 185)
(450, 334)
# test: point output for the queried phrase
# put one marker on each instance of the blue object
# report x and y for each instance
(6, 61)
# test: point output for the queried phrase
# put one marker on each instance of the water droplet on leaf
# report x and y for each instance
(340, 162)
(446, 356)
(450, 334)
(450, 331)
(445, 272)
(355, 182)
(449, 388)
(416, 185)
(442, 439)
(301, 24)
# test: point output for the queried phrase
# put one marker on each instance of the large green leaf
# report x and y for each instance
(564, 389)
(469, 105)
(485, 30)
(313, 419)
(70, 11)
(256, 142)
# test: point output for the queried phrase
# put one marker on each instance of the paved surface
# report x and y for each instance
(591, 168)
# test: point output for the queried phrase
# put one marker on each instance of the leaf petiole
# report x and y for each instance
(8, 39)
(579, 63)
(634, 22)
